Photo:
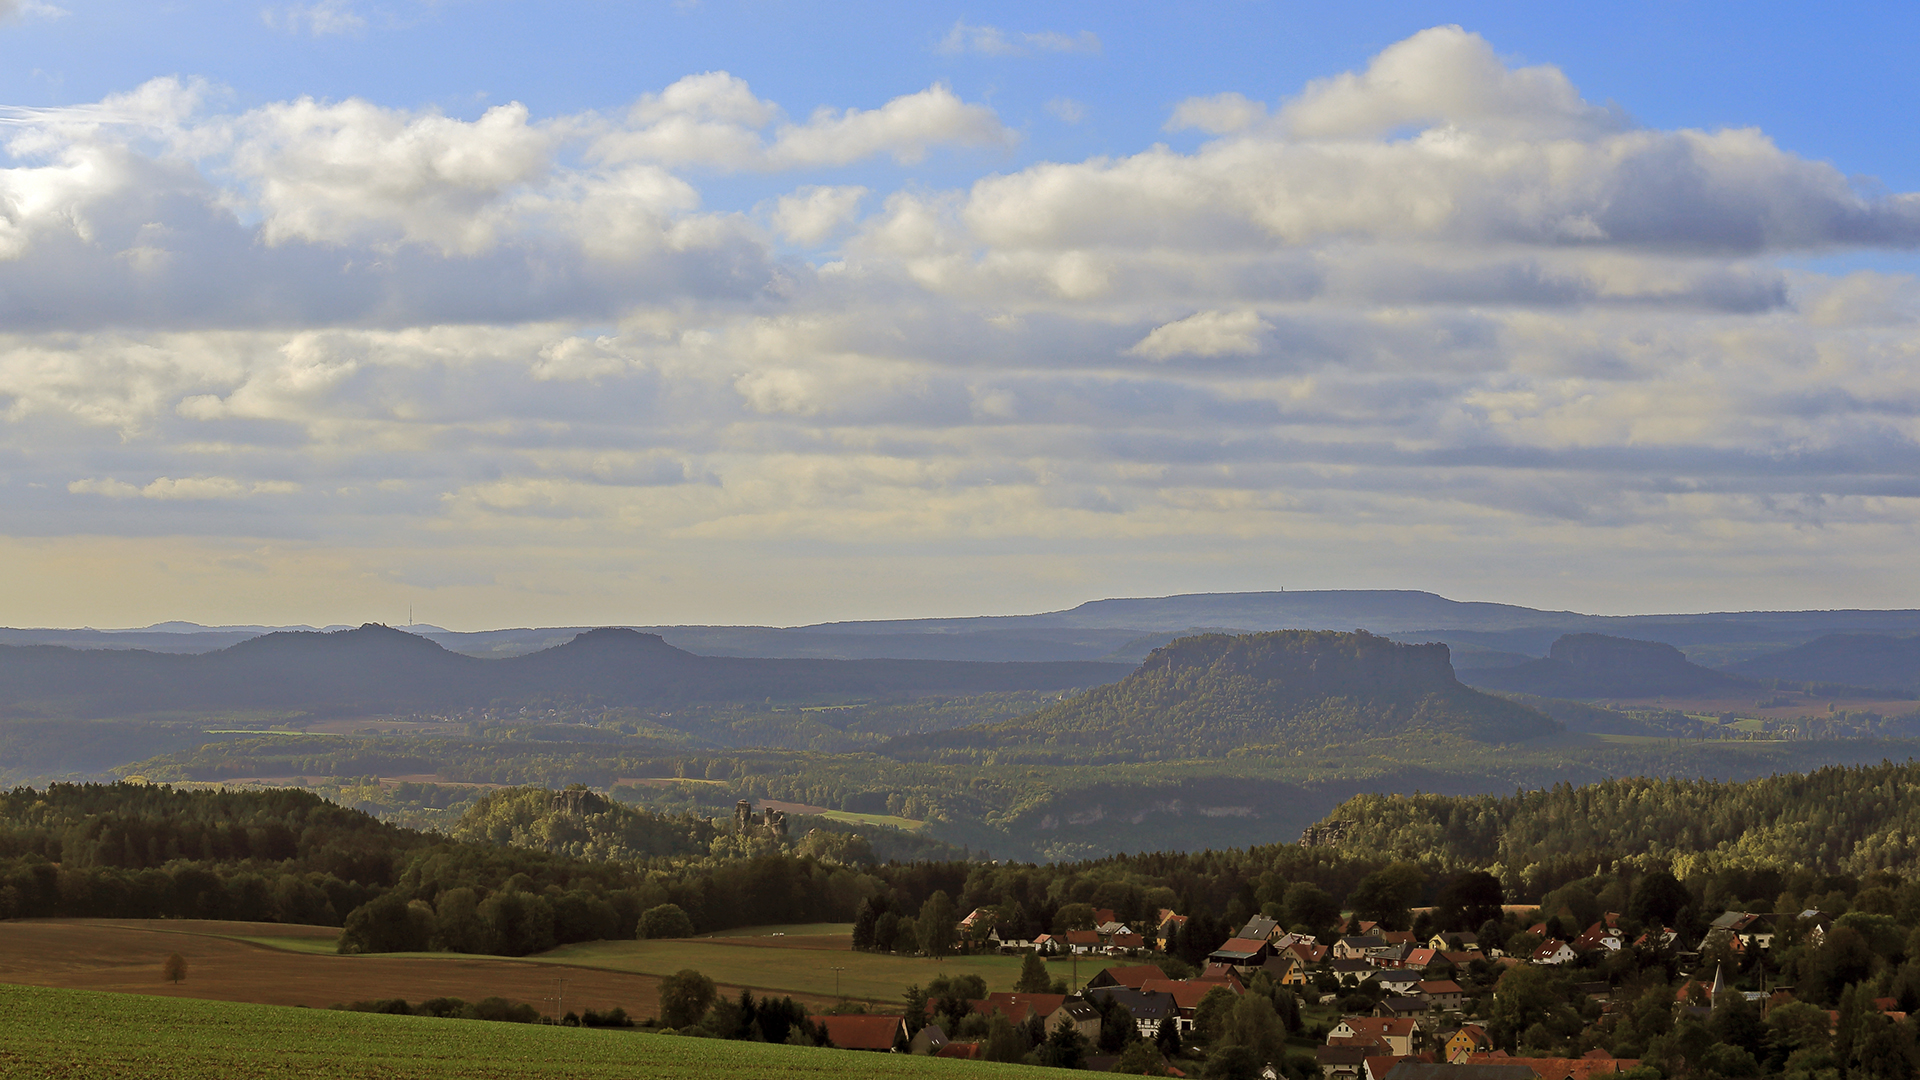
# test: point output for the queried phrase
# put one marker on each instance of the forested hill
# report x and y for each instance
(1875, 660)
(1846, 820)
(379, 668)
(1215, 694)
(1597, 665)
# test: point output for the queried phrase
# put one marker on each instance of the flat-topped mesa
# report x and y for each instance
(1314, 662)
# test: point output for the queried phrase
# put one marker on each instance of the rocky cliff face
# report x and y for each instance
(1271, 693)
(1312, 662)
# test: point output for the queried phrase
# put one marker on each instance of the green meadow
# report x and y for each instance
(81, 1034)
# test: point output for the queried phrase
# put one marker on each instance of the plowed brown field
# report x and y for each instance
(125, 956)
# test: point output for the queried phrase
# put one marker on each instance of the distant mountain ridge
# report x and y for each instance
(380, 668)
(1279, 691)
(1126, 629)
(1873, 660)
(1598, 665)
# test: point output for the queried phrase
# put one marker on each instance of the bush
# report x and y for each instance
(665, 921)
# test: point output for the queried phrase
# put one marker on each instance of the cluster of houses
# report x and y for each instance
(1417, 1030)
(1109, 936)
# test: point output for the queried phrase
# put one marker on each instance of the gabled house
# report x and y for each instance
(1410, 1007)
(877, 1033)
(1079, 1014)
(1397, 982)
(1149, 1010)
(1131, 976)
(1343, 1062)
(1456, 941)
(1815, 923)
(1169, 919)
(1125, 943)
(1186, 996)
(1306, 950)
(1008, 942)
(927, 1041)
(1469, 1040)
(1444, 994)
(1285, 970)
(1657, 937)
(1224, 974)
(1391, 955)
(1081, 941)
(1017, 1007)
(1600, 937)
(1753, 931)
(1357, 946)
(1352, 972)
(1420, 959)
(1552, 952)
(1242, 952)
(1262, 928)
(1378, 1066)
(1396, 1032)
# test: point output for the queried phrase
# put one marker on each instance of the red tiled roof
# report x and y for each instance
(959, 1050)
(1379, 1025)
(1134, 975)
(863, 1032)
(1015, 1007)
(1561, 1068)
(1186, 995)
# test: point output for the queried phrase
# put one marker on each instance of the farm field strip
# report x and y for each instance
(281, 964)
(71, 1033)
(788, 969)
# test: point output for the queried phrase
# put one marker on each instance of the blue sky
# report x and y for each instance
(526, 313)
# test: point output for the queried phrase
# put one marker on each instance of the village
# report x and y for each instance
(1377, 1004)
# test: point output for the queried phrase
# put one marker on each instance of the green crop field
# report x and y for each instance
(889, 820)
(77, 1033)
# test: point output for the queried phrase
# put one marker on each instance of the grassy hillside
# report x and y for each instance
(1276, 693)
(73, 1033)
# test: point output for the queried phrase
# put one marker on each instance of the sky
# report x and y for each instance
(757, 312)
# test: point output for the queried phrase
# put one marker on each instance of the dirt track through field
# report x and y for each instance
(125, 956)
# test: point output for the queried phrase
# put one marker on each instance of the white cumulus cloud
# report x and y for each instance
(1207, 333)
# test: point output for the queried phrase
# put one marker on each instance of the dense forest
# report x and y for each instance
(1833, 820)
(584, 863)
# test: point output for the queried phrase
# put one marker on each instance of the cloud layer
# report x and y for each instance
(1437, 323)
